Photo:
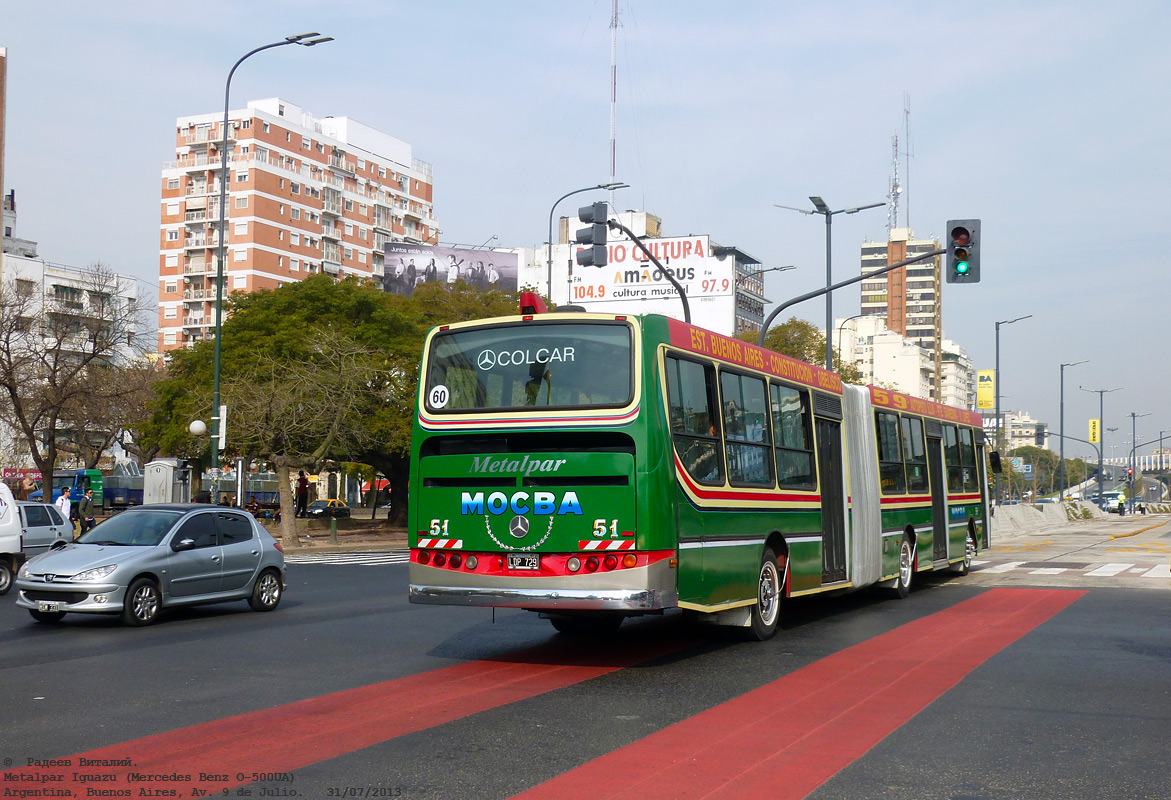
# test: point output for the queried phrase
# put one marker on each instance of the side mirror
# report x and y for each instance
(994, 462)
(183, 544)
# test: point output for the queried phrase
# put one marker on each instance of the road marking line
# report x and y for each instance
(1048, 571)
(1161, 571)
(1108, 570)
(788, 737)
(1006, 567)
(320, 728)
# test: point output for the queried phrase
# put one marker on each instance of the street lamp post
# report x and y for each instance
(996, 381)
(842, 325)
(1101, 427)
(609, 186)
(819, 207)
(305, 40)
(1061, 457)
(1133, 450)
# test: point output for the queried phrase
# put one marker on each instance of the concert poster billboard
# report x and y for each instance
(407, 265)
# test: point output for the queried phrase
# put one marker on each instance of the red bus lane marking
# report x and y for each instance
(788, 737)
(223, 754)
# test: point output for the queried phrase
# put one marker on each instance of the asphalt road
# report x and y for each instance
(998, 685)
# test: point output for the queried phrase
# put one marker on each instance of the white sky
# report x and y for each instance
(1048, 120)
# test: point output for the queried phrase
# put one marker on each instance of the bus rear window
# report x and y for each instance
(531, 365)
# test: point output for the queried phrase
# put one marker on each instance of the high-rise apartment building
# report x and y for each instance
(305, 195)
(909, 298)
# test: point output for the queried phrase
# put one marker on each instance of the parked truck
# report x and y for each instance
(119, 490)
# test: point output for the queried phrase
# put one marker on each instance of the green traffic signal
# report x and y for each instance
(963, 251)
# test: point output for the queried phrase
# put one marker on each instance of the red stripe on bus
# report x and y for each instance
(913, 499)
(788, 737)
(291, 736)
(485, 420)
(757, 495)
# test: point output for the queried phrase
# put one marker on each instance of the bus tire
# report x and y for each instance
(965, 566)
(766, 613)
(906, 567)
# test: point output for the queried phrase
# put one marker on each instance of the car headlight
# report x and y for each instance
(23, 573)
(95, 574)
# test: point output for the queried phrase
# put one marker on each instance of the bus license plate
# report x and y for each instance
(46, 607)
(524, 561)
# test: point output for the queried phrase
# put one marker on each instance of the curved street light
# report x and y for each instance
(820, 207)
(305, 40)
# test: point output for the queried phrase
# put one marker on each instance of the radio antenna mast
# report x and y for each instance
(892, 209)
(613, 98)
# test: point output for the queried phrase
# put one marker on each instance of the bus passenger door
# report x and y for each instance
(833, 518)
(939, 512)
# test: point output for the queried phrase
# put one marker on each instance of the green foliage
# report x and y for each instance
(803, 341)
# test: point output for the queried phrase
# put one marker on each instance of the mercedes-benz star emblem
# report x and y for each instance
(519, 527)
(486, 360)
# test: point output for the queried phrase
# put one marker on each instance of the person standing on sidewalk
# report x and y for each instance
(64, 505)
(85, 511)
(302, 494)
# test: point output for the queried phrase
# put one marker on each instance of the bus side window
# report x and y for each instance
(951, 458)
(914, 454)
(746, 430)
(890, 456)
(792, 439)
(691, 405)
(970, 481)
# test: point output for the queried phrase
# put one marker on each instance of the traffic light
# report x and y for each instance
(963, 251)
(593, 237)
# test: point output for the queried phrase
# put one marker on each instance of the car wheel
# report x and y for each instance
(766, 614)
(142, 604)
(906, 567)
(47, 617)
(5, 577)
(267, 591)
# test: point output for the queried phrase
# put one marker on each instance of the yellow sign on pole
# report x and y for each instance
(1095, 431)
(986, 388)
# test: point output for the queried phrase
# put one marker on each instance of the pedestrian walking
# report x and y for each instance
(85, 511)
(65, 506)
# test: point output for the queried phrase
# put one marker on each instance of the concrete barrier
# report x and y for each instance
(1028, 518)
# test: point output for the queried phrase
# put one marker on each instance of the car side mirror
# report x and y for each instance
(183, 544)
(994, 462)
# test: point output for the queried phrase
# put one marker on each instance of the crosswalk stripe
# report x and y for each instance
(1161, 571)
(1109, 570)
(1006, 567)
(1048, 571)
(362, 559)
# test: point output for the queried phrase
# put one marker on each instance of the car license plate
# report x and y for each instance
(47, 607)
(524, 561)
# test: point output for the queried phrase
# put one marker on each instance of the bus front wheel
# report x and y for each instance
(906, 567)
(766, 614)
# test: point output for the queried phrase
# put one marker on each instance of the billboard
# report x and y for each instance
(986, 388)
(630, 283)
(407, 265)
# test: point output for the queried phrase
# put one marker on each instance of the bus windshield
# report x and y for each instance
(537, 365)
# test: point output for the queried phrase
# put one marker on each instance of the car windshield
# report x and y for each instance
(135, 528)
(319, 504)
(530, 366)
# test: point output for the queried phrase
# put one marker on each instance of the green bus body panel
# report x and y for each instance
(719, 550)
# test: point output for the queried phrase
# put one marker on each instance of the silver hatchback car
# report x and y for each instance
(151, 557)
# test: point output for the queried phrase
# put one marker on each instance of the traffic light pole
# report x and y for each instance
(615, 224)
(839, 285)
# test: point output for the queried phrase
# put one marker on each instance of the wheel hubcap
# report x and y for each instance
(905, 563)
(969, 552)
(145, 603)
(270, 590)
(769, 590)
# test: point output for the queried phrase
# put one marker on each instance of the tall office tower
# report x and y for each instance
(305, 195)
(910, 298)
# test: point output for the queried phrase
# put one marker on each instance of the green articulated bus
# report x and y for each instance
(592, 467)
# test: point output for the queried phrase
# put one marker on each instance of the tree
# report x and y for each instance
(283, 328)
(803, 341)
(296, 412)
(64, 354)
